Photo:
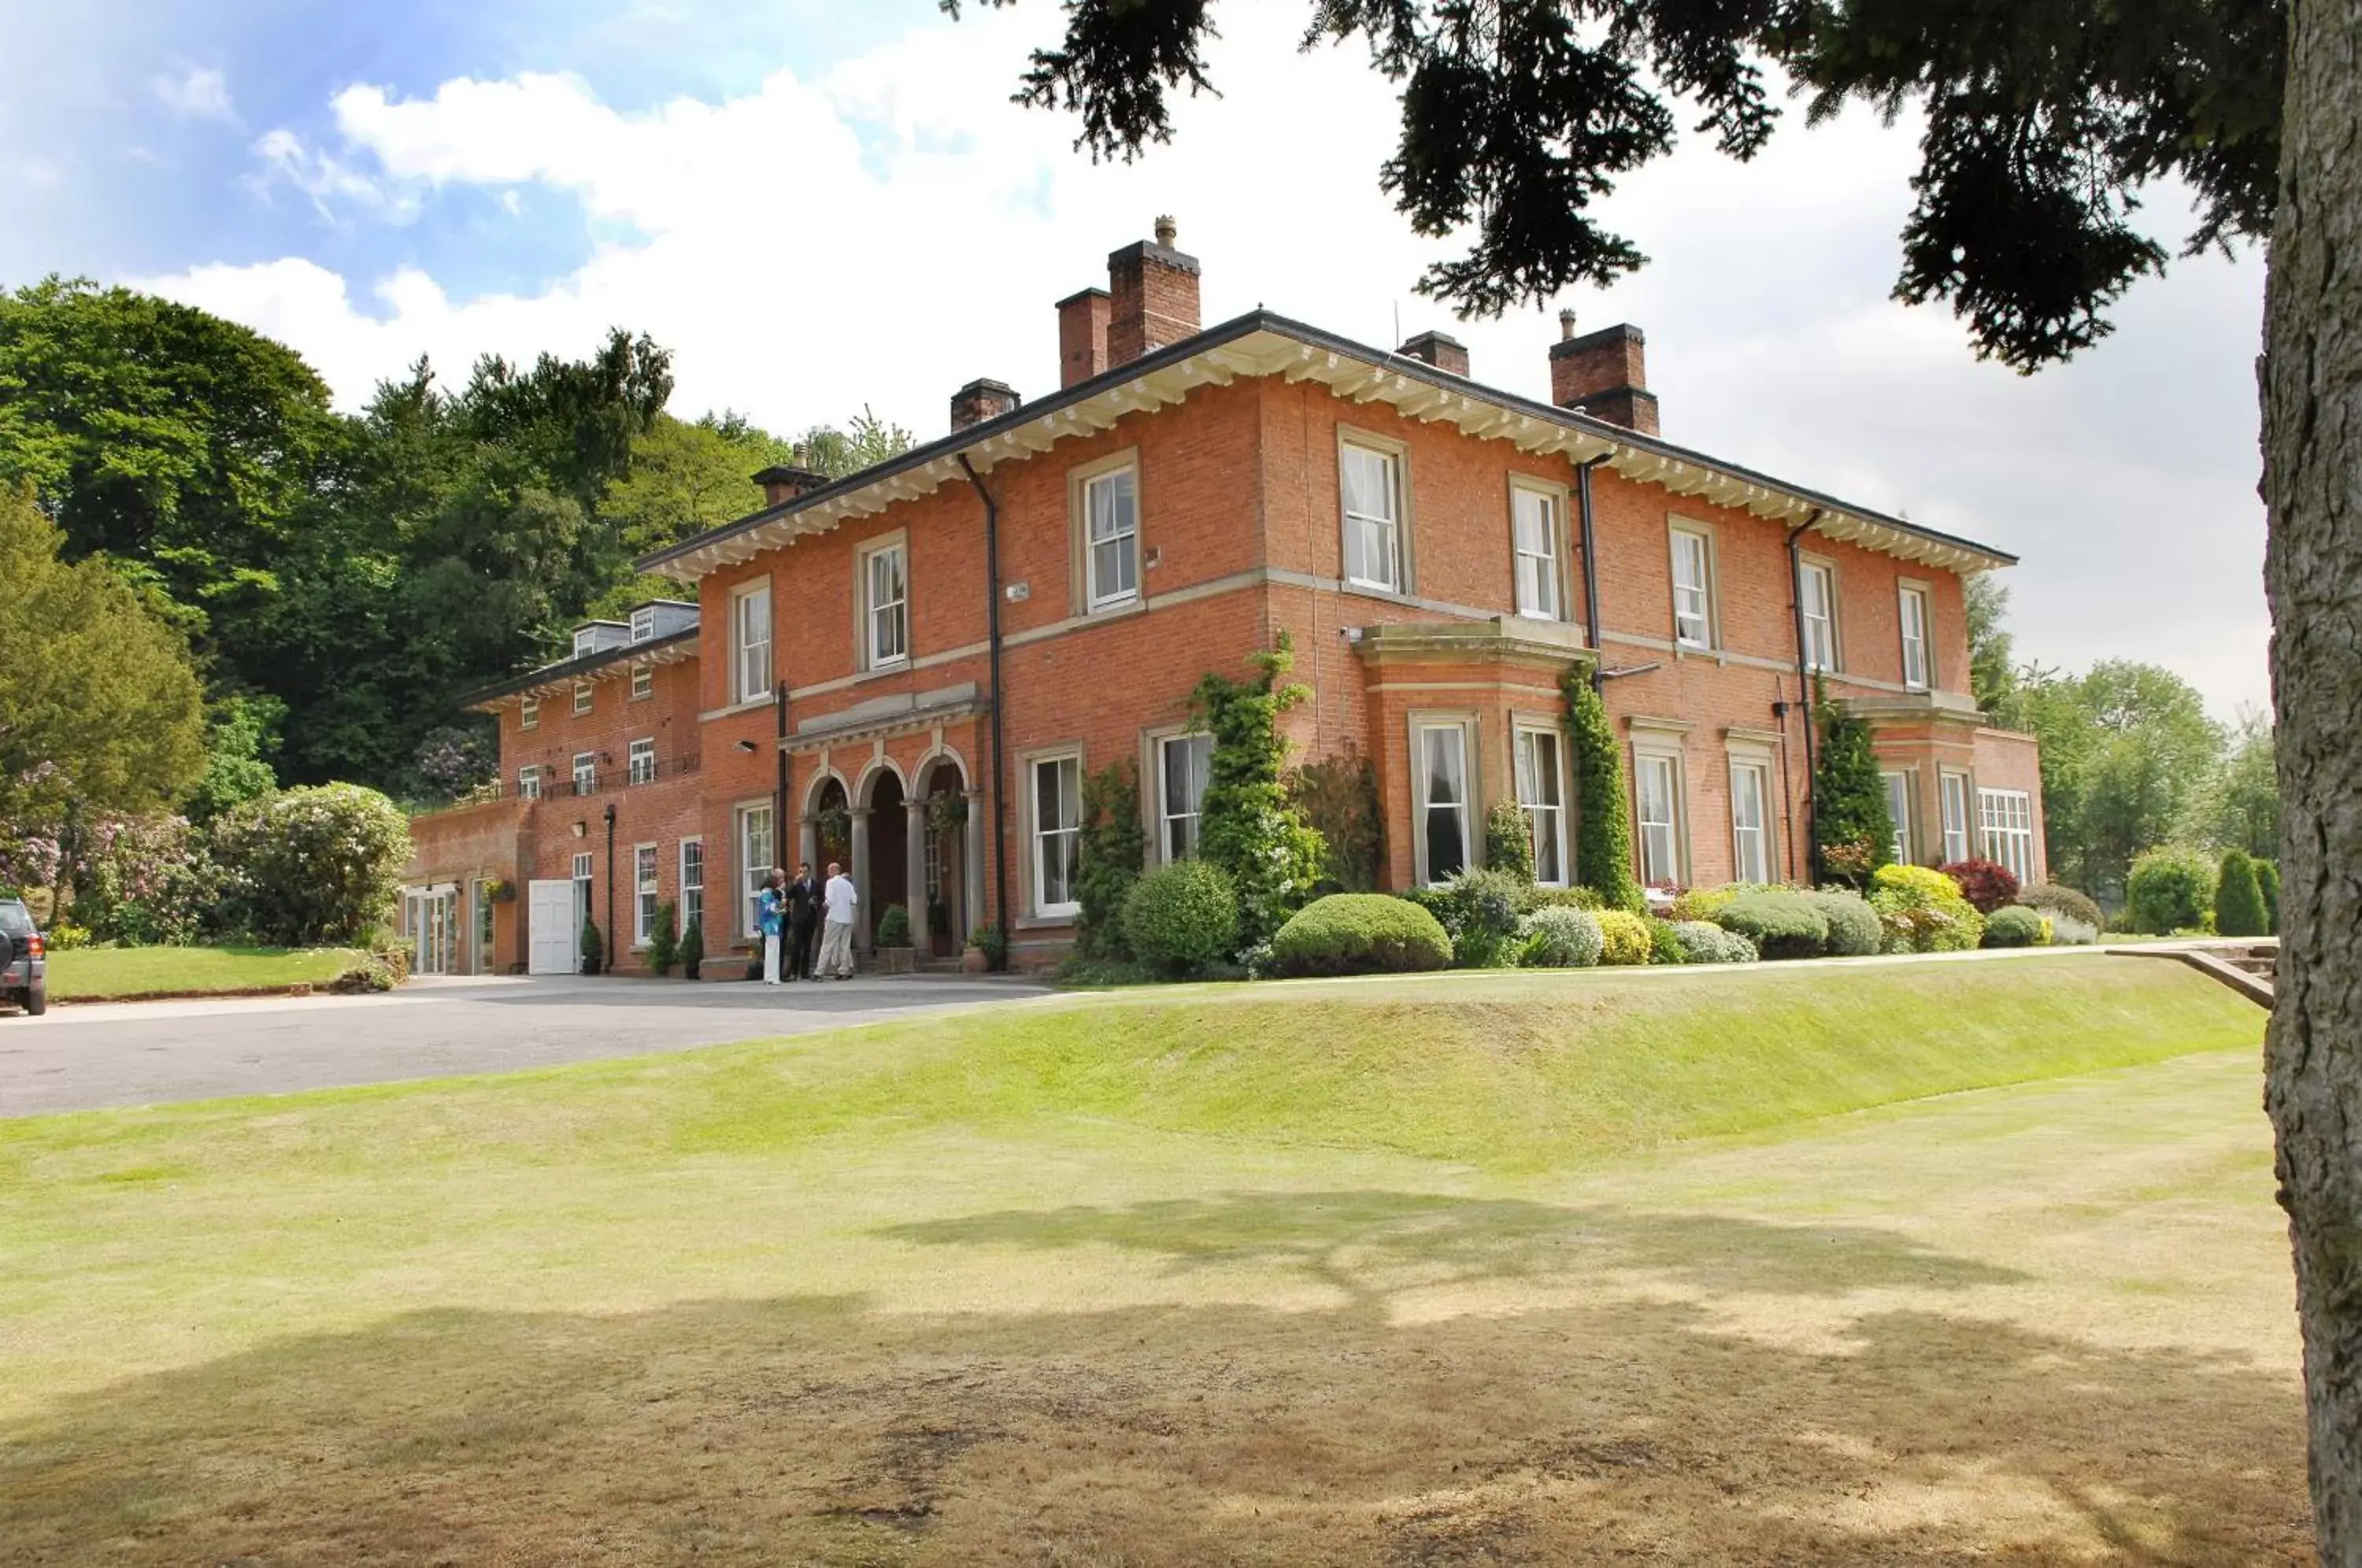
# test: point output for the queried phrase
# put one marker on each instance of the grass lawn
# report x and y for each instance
(119, 973)
(1903, 1264)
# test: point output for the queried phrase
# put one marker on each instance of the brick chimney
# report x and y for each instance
(1440, 349)
(980, 401)
(1152, 290)
(1603, 374)
(1082, 336)
(782, 483)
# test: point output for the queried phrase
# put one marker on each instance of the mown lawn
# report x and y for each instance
(120, 974)
(1944, 1262)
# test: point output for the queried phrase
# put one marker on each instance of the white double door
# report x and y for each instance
(553, 928)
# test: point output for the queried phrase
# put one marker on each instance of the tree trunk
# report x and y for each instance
(2311, 380)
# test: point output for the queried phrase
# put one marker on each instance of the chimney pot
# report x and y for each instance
(1566, 323)
(981, 400)
(1605, 374)
(1440, 349)
(1153, 297)
(781, 482)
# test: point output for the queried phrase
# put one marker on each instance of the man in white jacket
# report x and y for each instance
(836, 935)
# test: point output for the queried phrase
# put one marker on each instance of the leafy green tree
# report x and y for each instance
(1853, 831)
(2243, 808)
(1603, 830)
(159, 435)
(1112, 848)
(1992, 675)
(2128, 755)
(865, 442)
(100, 708)
(1247, 828)
(2239, 898)
(242, 735)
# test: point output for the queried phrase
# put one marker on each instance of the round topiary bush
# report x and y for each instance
(1922, 911)
(2170, 888)
(1360, 933)
(1706, 942)
(1182, 919)
(2063, 905)
(2014, 925)
(1987, 885)
(1557, 937)
(1623, 938)
(1854, 929)
(1780, 925)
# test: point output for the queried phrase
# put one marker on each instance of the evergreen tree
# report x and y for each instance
(1247, 828)
(1853, 831)
(1509, 840)
(2239, 907)
(2268, 878)
(1113, 847)
(1602, 835)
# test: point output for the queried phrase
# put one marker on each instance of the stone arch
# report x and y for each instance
(943, 754)
(864, 792)
(815, 791)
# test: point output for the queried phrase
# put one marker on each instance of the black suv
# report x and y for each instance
(24, 963)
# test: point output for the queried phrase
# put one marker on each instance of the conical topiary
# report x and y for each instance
(2239, 898)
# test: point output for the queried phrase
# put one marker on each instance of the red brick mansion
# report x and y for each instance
(913, 668)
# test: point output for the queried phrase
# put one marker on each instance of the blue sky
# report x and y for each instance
(820, 207)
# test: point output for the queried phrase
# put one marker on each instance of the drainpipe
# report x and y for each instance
(1805, 685)
(780, 805)
(992, 640)
(610, 887)
(1590, 570)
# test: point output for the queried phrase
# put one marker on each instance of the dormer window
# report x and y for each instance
(586, 640)
(644, 622)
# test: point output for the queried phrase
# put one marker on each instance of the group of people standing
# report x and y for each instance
(792, 913)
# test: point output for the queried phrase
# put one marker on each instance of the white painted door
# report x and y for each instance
(549, 923)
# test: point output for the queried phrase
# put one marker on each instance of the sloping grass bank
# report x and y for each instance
(126, 974)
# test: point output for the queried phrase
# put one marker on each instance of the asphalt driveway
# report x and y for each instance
(82, 1059)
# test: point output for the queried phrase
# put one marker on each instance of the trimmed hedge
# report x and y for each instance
(1923, 910)
(1182, 919)
(1780, 925)
(2170, 888)
(1360, 933)
(1854, 928)
(1623, 938)
(1706, 942)
(1559, 938)
(2014, 925)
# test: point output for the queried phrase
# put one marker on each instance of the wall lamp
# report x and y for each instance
(581, 830)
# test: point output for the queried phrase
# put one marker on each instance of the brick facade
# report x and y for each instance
(1236, 506)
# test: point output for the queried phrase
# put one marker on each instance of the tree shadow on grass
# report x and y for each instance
(1368, 1244)
(858, 1431)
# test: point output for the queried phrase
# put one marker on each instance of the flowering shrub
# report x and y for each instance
(147, 881)
(1923, 910)
(452, 760)
(1986, 884)
(314, 867)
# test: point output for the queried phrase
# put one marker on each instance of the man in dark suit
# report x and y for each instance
(804, 922)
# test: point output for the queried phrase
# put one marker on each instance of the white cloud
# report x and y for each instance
(201, 94)
(893, 228)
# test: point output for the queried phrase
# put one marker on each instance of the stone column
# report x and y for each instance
(861, 878)
(914, 870)
(808, 845)
(972, 847)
